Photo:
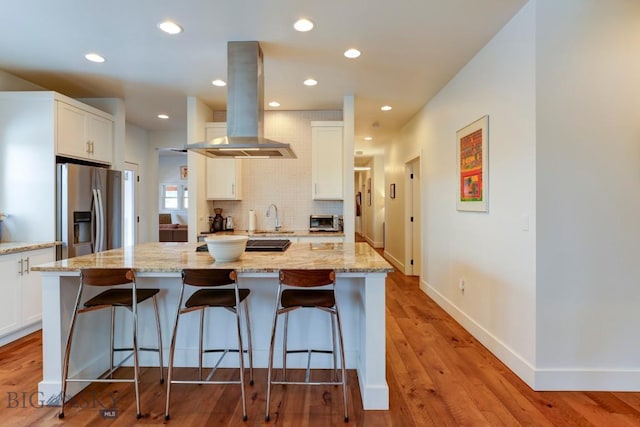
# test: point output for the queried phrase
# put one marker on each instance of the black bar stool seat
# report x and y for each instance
(120, 297)
(215, 298)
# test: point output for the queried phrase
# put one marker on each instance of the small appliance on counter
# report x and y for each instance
(324, 223)
(217, 223)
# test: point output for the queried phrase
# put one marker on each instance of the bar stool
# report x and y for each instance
(230, 298)
(128, 298)
(291, 299)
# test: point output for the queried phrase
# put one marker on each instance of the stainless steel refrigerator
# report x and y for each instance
(89, 210)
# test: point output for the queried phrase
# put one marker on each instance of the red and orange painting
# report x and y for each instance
(472, 150)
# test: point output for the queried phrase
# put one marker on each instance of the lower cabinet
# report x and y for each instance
(21, 293)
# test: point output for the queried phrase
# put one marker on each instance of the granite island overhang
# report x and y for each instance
(360, 287)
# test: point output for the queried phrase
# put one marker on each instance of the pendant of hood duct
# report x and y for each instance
(245, 110)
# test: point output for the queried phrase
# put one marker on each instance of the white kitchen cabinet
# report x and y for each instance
(327, 160)
(83, 134)
(10, 291)
(224, 176)
(21, 302)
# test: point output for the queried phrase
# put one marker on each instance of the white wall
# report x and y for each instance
(588, 153)
(137, 151)
(490, 251)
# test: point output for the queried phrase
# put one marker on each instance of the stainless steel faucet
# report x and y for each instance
(277, 224)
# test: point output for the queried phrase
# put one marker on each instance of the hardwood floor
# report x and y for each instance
(438, 375)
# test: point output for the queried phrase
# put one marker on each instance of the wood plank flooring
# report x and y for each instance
(438, 375)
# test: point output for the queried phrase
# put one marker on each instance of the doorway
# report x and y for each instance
(413, 233)
(130, 204)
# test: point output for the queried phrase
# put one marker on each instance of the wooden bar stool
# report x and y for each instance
(291, 299)
(230, 298)
(128, 298)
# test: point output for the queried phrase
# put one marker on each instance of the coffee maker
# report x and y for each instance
(217, 222)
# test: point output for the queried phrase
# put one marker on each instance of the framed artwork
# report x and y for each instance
(472, 149)
(184, 172)
(392, 191)
(369, 191)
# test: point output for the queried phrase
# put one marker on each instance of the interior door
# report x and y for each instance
(414, 229)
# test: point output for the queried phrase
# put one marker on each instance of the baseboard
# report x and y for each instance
(395, 261)
(22, 332)
(566, 379)
(522, 368)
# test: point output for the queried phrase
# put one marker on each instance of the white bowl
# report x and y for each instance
(226, 248)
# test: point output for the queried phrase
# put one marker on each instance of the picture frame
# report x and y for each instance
(184, 172)
(392, 191)
(472, 160)
(369, 191)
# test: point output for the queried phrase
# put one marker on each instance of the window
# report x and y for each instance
(174, 197)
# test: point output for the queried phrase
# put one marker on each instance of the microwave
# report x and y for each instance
(324, 223)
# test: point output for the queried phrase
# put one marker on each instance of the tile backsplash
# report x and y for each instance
(285, 182)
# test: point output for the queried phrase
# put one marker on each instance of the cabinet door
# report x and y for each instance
(99, 134)
(326, 162)
(9, 293)
(31, 286)
(224, 179)
(70, 140)
(224, 176)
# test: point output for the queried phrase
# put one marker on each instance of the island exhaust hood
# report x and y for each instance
(245, 110)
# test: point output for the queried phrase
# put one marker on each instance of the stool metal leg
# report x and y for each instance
(334, 353)
(249, 343)
(285, 338)
(241, 357)
(171, 353)
(343, 367)
(200, 343)
(160, 361)
(271, 346)
(136, 366)
(112, 339)
(67, 352)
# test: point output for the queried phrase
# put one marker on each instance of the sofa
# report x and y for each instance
(171, 232)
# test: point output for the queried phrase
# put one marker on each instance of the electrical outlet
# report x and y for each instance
(461, 285)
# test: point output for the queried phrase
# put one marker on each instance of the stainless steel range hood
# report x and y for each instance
(245, 110)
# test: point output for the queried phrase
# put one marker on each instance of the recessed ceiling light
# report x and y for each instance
(361, 168)
(352, 53)
(274, 104)
(170, 27)
(368, 138)
(94, 57)
(163, 116)
(303, 25)
(310, 82)
(219, 83)
(386, 107)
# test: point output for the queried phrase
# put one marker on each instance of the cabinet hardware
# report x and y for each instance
(27, 269)
(21, 266)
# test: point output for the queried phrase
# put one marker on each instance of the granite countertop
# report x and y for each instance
(279, 233)
(173, 257)
(13, 247)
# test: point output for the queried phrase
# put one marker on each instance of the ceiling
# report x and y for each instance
(410, 50)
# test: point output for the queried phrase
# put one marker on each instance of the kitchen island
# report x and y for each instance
(360, 287)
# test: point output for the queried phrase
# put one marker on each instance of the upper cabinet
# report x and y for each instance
(224, 176)
(84, 134)
(327, 160)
